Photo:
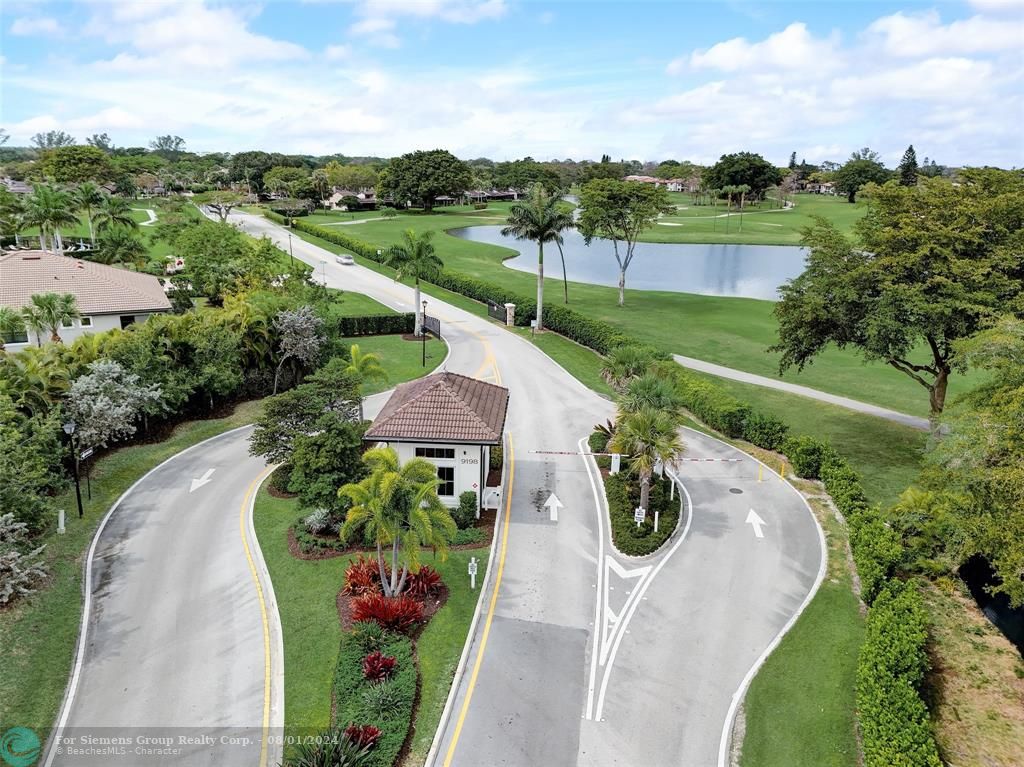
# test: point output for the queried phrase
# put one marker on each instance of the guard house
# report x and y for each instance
(450, 420)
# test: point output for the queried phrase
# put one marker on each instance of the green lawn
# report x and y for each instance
(401, 359)
(38, 635)
(358, 305)
(800, 708)
(306, 593)
(735, 332)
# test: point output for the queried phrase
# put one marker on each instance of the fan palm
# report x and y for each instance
(364, 367)
(652, 392)
(11, 324)
(625, 363)
(12, 215)
(397, 506)
(48, 311)
(88, 197)
(35, 378)
(50, 208)
(120, 245)
(414, 257)
(539, 218)
(648, 437)
(114, 211)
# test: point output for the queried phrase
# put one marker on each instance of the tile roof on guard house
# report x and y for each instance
(445, 407)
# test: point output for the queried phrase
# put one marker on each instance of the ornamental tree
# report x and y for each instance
(864, 167)
(424, 176)
(106, 403)
(743, 168)
(929, 266)
(300, 338)
(220, 202)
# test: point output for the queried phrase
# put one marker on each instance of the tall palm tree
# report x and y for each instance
(625, 363)
(12, 215)
(88, 197)
(120, 245)
(539, 217)
(364, 367)
(50, 208)
(48, 311)
(652, 392)
(742, 190)
(648, 437)
(397, 506)
(114, 211)
(11, 323)
(414, 257)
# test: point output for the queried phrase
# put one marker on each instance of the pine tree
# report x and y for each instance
(908, 167)
(792, 161)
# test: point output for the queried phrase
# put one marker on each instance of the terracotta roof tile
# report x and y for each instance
(445, 407)
(98, 289)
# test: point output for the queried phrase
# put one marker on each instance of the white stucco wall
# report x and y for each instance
(100, 322)
(467, 464)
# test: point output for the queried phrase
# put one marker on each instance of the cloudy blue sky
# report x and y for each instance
(507, 78)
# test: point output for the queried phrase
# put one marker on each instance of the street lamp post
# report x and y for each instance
(291, 255)
(69, 429)
(423, 331)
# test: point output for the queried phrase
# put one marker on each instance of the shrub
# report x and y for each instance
(399, 613)
(280, 478)
(894, 723)
(807, 455)
(366, 735)
(765, 431)
(330, 748)
(876, 552)
(368, 635)
(479, 206)
(712, 405)
(469, 536)
(20, 571)
(376, 324)
(382, 702)
(465, 514)
(319, 522)
(598, 443)
(362, 576)
(623, 493)
(424, 583)
(377, 666)
(496, 458)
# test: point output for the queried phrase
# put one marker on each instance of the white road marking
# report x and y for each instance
(198, 483)
(553, 505)
(755, 522)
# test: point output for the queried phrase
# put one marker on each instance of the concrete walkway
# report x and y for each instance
(804, 391)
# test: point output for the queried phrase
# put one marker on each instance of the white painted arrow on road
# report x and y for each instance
(755, 521)
(197, 483)
(553, 505)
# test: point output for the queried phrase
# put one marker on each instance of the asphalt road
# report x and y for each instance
(175, 644)
(583, 656)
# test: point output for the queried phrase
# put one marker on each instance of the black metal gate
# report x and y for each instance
(496, 311)
(432, 325)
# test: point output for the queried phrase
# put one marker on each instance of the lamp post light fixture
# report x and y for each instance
(423, 331)
(291, 254)
(69, 429)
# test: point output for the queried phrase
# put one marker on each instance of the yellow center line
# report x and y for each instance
(263, 613)
(490, 610)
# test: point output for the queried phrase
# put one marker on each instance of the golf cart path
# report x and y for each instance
(732, 374)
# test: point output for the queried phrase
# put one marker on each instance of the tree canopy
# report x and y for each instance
(930, 264)
(743, 168)
(424, 176)
(864, 167)
(73, 164)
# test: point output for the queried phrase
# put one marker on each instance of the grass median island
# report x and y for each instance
(307, 591)
(39, 633)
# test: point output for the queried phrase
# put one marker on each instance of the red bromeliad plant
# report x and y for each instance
(424, 583)
(377, 666)
(366, 735)
(399, 613)
(362, 576)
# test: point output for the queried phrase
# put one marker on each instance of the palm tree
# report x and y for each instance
(625, 363)
(11, 323)
(88, 197)
(742, 190)
(414, 257)
(120, 245)
(650, 391)
(397, 505)
(539, 218)
(12, 215)
(364, 367)
(114, 211)
(50, 208)
(648, 437)
(48, 311)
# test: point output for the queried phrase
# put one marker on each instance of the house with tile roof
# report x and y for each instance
(452, 421)
(107, 297)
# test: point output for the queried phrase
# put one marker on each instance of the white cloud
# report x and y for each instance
(792, 48)
(924, 34)
(997, 6)
(31, 26)
(452, 11)
(338, 52)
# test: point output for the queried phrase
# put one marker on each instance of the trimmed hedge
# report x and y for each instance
(894, 722)
(624, 496)
(713, 406)
(808, 455)
(377, 324)
(359, 701)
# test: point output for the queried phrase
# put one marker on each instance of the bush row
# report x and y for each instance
(387, 705)
(727, 414)
(895, 727)
(376, 324)
(624, 496)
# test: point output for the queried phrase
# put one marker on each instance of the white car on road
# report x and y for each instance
(345, 259)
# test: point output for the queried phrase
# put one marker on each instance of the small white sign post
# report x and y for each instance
(472, 573)
(616, 463)
(639, 515)
(60, 521)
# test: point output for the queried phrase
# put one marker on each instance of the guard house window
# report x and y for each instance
(436, 452)
(85, 322)
(126, 320)
(447, 476)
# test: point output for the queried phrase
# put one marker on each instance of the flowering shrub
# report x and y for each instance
(426, 582)
(366, 735)
(393, 613)
(362, 576)
(377, 666)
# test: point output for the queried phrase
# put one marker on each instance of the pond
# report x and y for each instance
(979, 576)
(745, 271)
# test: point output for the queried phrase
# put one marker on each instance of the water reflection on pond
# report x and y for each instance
(748, 271)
